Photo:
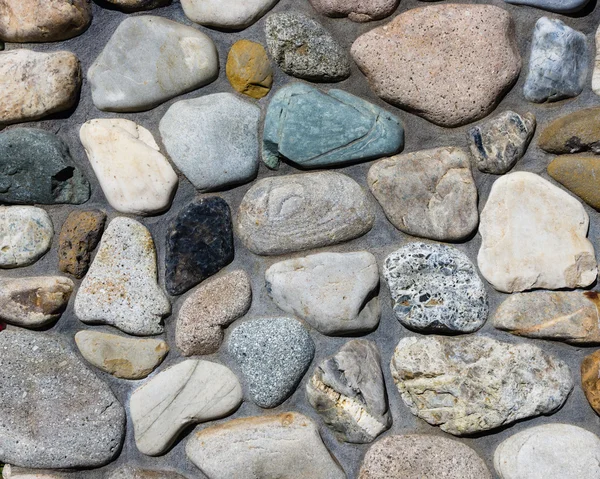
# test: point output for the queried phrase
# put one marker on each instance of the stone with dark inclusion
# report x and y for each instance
(37, 168)
(199, 244)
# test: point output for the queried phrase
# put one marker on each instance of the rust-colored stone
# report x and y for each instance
(249, 70)
(590, 379)
(79, 236)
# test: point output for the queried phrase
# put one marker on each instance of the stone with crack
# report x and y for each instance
(249, 69)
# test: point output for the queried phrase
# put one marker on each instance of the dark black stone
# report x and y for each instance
(199, 244)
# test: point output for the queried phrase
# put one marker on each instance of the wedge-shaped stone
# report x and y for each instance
(190, 392)
(336, 293)
(534, 236)
(148, 61)
(313, 129)
(348, 391)
(298, 212)
(121, 288)
(55, 412)
(472, 384)
(573, 133)
(135, 177)
(286, 445)
(34, 302)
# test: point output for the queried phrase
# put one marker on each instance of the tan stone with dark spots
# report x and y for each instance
(580, 174)
(138, 5)
(579, 131)
(79, 236)
(249, 70)
(590, 379)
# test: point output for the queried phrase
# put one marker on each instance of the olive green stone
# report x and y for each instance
(580, 174)
(573, 133)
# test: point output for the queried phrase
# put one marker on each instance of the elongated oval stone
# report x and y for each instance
(580, 174)
(562, 6)
(132, 472)
(249, 69)
(356, 10)
(226, 14)
(137, 5)
(299, 212)
(590, 379)
(573, 133)
(79, 236)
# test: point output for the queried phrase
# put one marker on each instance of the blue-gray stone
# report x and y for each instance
(559, 62)
(314, 129)
(562, 6)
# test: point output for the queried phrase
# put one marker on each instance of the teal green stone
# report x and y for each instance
(313, 129)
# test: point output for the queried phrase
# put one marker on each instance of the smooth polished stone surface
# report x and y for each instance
(226, 14)
(580, 175)
(79, 236)
(356, 10)
(249, 69)
(314, 129)
(573, 133)
(590, 379)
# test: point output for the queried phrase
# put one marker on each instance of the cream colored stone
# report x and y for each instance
(135, 177)
(534, 236)
(596, 74)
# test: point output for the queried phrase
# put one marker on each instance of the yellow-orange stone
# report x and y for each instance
(248, 69)
(590, 379)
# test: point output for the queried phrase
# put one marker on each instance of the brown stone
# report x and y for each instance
(573, 133)
(356, 10)
(248, 69)
(79, 236)
(43, 20)
(138, 5)
(580, 174)
(590, 379)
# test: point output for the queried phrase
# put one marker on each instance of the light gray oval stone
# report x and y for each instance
(299, 212)
(471, 384)
(55, 412)
(213, 140)
(149, 60)
(226, 14)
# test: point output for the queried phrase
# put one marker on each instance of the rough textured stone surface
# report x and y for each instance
(304, 48)
(226, 14)
(435, 288)
(563, 316)
(190, 392)
(549, 450)
(55, 412)
(25, 235)
(37, 168)
(120, 356)
(534, 236)
(590, 379)
(298, 212)
(418, 456)
(130, 472)
(596, 72)
(213, 140)
(135, 177)
(428, 193)
(79, 236)
(37, 84)
(199, 243)
(429, 60)
(148, 61)
(573, 133)
(137, 5)
(313, 129)
(43, 20)
(558, 62)
(499, 143)
(121, 288)
(209, 310)
(272, 354)
(471, 384)
(336, 293)
(249, 69)
(578, 173)
(562, 6)
(356, 10)
(348, 392)
(285, 445)
(34, 302)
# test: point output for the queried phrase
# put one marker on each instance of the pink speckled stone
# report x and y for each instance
(356, 10)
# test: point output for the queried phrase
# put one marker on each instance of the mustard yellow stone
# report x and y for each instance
(580, 174)
(248, 69)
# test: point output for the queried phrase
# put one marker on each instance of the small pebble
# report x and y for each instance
(79, 236)
(249, 69)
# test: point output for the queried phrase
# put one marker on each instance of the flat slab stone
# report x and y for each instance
(272, 354)
(291, 213)
(573, 133)
(549, 450)
(578, 173)
(558, 62)
(499, 143)
(25, 235)
(303, 48)
(435, 288)
(213, 140)
(135, 177)
(43, 20)
(429, 61)
(472, 384)
(429, 193)
(55, 412)
(37, 84)
(137, 5)
(226, 14)
(561, 6)
(590, 379)
(314, 129)
(121, 287)
(348, 392)
(569, 316)
(131, 472)
(249, 69)
(34, 302)
(524, 206)
(418, 456)
(336, 293)
(209, 309)
(37, 168)
(199, 243)
(284, 445)
(356, 10)
(121, 356)
(79, 236)
(190, 392)
(149, 60)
